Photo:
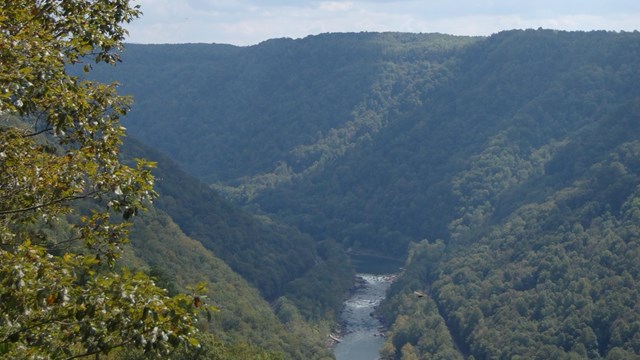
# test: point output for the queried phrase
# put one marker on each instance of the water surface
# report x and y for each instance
(362, 338)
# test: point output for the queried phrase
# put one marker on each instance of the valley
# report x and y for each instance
(473, 158)
(497, 176)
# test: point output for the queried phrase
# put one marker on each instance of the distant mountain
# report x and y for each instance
(505, 168)
(516, 111)
(266, 116)
(245, 110)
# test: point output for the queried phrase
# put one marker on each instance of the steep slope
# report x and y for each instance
(268, 254)
(539, 260)
(257, 116)
(160, 247)
(505, 106)
(557, 278)
(275, 258)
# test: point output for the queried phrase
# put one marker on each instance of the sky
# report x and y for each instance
(249, 22)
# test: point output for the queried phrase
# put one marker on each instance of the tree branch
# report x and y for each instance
(37, 132)
(96, 352)
(39, 206)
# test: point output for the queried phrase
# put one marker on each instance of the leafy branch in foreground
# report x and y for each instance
(60, 141)
(47, 312)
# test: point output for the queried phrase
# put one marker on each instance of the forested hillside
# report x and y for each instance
(278, 260)
(245, 321)
(511, 108)
(506, 168)
(258, 116)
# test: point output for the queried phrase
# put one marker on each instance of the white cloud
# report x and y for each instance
(335, 5)
(246, 22)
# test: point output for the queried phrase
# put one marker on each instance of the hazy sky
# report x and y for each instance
(248, 22)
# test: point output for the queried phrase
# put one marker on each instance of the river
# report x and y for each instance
(362, 333)
(362, 338)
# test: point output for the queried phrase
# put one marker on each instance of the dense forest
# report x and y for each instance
(504, 168)
(273, 257)
(295, 321)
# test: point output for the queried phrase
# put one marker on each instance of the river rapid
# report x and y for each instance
(363, 333)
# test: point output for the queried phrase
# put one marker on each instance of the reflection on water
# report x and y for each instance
(363, 338)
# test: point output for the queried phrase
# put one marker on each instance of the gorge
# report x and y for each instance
(504, 169)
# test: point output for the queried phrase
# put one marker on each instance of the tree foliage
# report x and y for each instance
(60, 295)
